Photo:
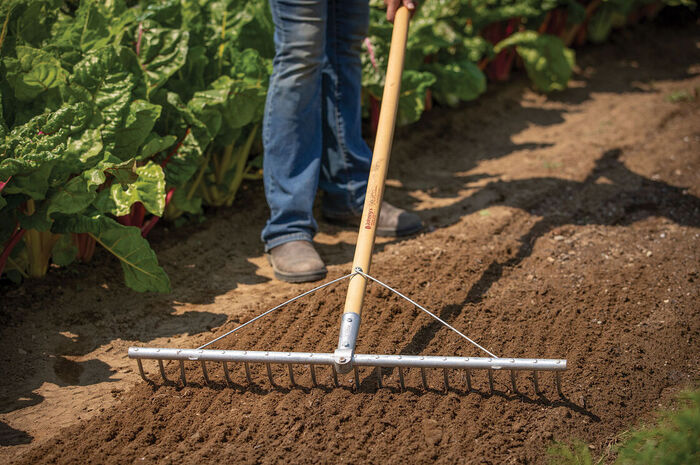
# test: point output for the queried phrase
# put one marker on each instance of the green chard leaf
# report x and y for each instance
(548, 63)
(139, 263)
(64, 251)
(457, 81)
(414, 85)
(141, 118)
(148, 188)
(110, 78)
(161, 52)
(33, 72)
(155, 144)
(76, 195)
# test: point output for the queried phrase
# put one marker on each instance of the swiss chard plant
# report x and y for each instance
(114, 114)
(111, 114)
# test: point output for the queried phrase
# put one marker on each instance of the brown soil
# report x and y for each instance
(561, 226)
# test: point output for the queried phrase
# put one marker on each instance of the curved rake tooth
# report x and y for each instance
(204, 371)
(291, 375)
(269, 374)
(469, 379)
(247, 373)
(335, 376)
(447, 381)
(491, 381)
(182, 373)
(401, 380)
(557, 381)
(512, 381)
(357, 378)
(226, 374)
(536, 383)
(379, 377)
(313, 374)
(425, 381)
(143, 373)
(161, 367)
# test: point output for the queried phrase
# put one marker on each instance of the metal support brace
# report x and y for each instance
(344, 359)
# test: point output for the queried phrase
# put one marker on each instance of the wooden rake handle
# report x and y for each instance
(380, 162)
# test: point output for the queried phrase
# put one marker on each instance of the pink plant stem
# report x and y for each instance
(174, 151)
(146, 228)
(370, 50)
(4, 183)
(138, 41)
(9, 245)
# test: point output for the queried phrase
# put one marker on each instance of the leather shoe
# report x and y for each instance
(297, 262)
(393, 221)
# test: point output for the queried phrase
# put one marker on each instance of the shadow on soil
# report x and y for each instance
(12, 437)
(77, 310)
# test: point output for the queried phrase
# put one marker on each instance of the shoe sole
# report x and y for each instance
(300, 277)
(297, 277)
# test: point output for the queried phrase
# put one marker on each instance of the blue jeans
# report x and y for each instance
(312, 125)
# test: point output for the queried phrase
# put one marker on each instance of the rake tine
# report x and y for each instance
(291, 375)
(447, 382)
(379, 377)
(143, 373)
(469, 380)
(557, 381)
(425, 381)
(357, 378)
(182, 373)
(162, 371)
(401, 381)
(204, 371)
(335, 376)
(536, 383)
(313, 374)
(247, 373)
(226, 374)
(512, 381)
(491, 381)
(269, 374)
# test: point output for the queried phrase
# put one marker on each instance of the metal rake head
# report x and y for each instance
(344, 359)
(314, 360)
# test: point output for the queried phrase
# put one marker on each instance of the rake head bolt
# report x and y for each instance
(349, 327)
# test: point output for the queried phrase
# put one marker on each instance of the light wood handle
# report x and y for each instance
(380, 162)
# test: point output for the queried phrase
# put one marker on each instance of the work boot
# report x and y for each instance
(297, 262)
(393, 221)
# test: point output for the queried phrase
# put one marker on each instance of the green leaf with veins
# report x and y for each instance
(33, 72)
(139, 263)
(148, 188)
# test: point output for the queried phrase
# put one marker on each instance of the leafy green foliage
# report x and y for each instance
(457, 81)
(105, 107)
(576, 454)
(673, 440)
(138, 261)
(118, 108)
(548, 62)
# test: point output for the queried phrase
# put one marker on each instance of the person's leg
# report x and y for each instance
(292, 134)
(346, 156)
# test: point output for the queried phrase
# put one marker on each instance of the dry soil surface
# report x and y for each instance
(560, 226)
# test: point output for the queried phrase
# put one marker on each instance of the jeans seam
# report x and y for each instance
(338, 123)
(274, 90)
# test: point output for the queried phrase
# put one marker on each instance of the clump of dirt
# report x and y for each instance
(559, 227)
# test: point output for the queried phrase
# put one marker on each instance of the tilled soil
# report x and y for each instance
(559, 227)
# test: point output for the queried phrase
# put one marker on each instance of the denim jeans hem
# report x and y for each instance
(277, 241)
